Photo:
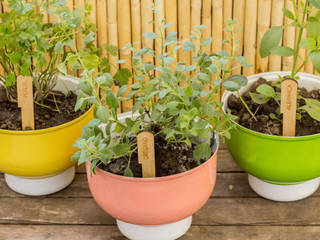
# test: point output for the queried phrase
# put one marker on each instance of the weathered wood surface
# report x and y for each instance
(14, 232)
(217, 211)
(234, 212)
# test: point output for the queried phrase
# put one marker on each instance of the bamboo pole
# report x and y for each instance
(159, 4)
(206, 20)
(250, 35)
(217, 29)
(93, 14)
(102, 29)
(113, 38)
(124, 35)
(308, 68)
(264, 15)
(79, 4)
(276, 20)
(136, 23)
(302, 52)
(217, 25)
(288, 39)
(70, 4)
(184, 20)
(146, 16)
(171, 13)
(196, 6)
(238, 16)
(227, 15)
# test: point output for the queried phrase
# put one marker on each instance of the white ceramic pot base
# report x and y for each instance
(41, 185)
(283, 193)
(170, 231)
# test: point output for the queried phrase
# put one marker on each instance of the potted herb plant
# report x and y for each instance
(281, 168)
(38, 162)
(176, 103)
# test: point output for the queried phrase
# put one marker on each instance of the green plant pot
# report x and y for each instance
(284, 162)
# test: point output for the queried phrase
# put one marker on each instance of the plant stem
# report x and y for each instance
(246, 106)
(301, 26)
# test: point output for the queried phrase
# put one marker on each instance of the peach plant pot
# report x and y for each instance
(154, 201)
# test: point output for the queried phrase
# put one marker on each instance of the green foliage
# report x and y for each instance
(308, 21)
(312, 107)
(270, 40)
(29, 46)
(264, 94)
(177, 98)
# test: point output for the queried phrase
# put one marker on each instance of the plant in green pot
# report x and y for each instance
(280, 154)
(36, 159)
(174, 103)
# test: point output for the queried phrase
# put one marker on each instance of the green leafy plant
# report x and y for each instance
(31, 47)
(308, 21)
(175, 100)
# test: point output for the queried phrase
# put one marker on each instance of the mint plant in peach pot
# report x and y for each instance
(175, 101)
(281, 168)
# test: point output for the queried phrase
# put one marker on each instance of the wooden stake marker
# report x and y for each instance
(146, 154)
(289, 91)
(25, 102)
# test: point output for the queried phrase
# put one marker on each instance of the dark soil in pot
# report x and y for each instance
(305, 126)
(45, 117)
(171, 158)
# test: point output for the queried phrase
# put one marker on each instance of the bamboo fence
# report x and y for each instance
(120, 22)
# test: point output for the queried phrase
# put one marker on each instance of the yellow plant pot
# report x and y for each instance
(44, 152)
(40, 152)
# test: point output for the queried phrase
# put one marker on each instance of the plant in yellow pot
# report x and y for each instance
(38, 123)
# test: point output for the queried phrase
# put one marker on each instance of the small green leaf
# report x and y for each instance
(270, 40)
(122, 76)
(308, 43)
(312, 107)
(188, 91)
(207, 41)
(266, 90)
(10, 80)
(121, 149)
(315, 3)
(80, 104)
(282, 51)
(128, 172)
(259, 98)
(313, 29)
(75, 157)
(102, 114)
(243, 61)
(62, 68)
(150, 35)
(189, 47)
(288, 13)
(202, 152)
(315, 59)
(235, 82)
(112, 100)
(89, 38)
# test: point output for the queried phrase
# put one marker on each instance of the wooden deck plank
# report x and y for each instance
(217, 211)
(14, 232)
(228, 185)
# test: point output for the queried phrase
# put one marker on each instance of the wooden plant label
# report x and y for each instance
(289, 92)
(146, 154)
(25, 102)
